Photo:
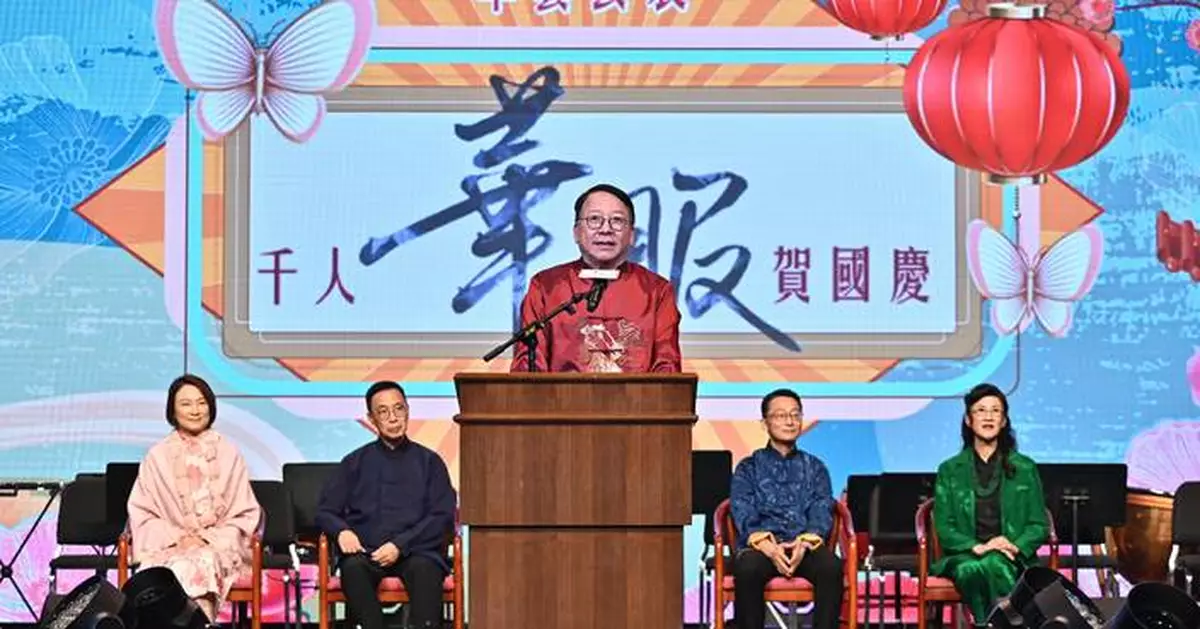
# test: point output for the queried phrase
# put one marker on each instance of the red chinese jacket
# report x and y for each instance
(634, 329)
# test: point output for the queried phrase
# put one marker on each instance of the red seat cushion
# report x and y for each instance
(938, 583)
(779, 584)
(245, 582)
(393, 584)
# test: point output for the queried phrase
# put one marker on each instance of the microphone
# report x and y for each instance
(594, 295)
(600, 279)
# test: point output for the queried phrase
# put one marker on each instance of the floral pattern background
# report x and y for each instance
(86, 345)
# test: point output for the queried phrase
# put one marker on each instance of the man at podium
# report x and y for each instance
(624, 317)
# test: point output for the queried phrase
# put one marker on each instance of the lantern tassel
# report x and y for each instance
(1028, 213)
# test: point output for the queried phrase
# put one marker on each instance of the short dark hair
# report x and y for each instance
(778, 393)
(380, 387)
(205, 390)
(621, 195)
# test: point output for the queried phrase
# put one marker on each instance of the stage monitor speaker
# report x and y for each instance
(1045, 599)
(157, 600)
(93, 604)
(1156, 606)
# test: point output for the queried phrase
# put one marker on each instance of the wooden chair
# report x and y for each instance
(783, 589)
(247, 589)
(941, 590)
(391, 589)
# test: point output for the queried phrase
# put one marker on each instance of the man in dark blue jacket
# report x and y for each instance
(782, 505)
(390, 506)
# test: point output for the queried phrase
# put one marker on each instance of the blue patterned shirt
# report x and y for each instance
(783, 495)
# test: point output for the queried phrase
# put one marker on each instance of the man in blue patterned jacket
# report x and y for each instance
(782, 505)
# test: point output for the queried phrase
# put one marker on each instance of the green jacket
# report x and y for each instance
(1022, 508)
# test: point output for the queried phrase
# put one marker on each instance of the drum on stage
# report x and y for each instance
(1143, 544)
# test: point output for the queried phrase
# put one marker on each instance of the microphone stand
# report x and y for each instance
(528, 334)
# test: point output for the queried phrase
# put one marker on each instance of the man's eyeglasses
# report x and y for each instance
(615, 223)
(398, 411)
(779, 418)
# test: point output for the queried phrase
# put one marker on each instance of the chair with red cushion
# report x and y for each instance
(391, 589)
(941, 590)
(784, 589)
(247, 589)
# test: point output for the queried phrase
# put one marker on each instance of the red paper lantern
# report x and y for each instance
(1016, 95)
(886, 18)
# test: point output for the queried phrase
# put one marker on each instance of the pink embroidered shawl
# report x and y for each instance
(199, 486)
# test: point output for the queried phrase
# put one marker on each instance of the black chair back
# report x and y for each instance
(712, 473)
(279, 528)
(304, 483)
(1185, 517)
(81, 514)
(860, 495)
(119, 479)
(894, 504)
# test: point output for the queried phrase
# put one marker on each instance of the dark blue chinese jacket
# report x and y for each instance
(783, 495)
(401, 495)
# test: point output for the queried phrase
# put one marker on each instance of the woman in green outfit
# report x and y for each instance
(989, 509)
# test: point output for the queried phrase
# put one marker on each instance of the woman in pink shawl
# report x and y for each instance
(192, 509)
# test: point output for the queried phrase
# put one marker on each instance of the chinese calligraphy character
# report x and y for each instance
(497, 5)
(661, 6)
(715, 291)
(546, 7)
(277, 270)
(518, 112)
(601, 6)
(851, 274)
(791, 267)
(335, 280)
(511, 237)
(910, 271)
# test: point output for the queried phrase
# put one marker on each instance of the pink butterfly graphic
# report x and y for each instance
(208, 51)
(1045, 289)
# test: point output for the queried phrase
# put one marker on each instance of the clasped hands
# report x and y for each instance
(384, 556)
(787, 555)
(999, 544)
(190, 541)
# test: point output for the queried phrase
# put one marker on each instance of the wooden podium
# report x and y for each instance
(576, 488)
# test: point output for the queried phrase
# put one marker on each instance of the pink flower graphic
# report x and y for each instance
(1192, 35)
(1165, 457)
(31, 572)
(1098, 12)
(1193, 363)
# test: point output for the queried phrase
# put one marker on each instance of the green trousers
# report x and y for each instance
(981, 581)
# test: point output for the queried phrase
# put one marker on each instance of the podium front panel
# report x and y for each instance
(606, 474)
(576, 578)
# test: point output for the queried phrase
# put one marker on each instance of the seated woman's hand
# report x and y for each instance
(190, 541)
(1001, 545)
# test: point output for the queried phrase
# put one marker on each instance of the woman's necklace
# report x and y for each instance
(982, 490)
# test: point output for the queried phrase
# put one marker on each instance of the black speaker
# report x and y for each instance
(1156, 606)
(156, 600)
(1045, 599)
(93, 604)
